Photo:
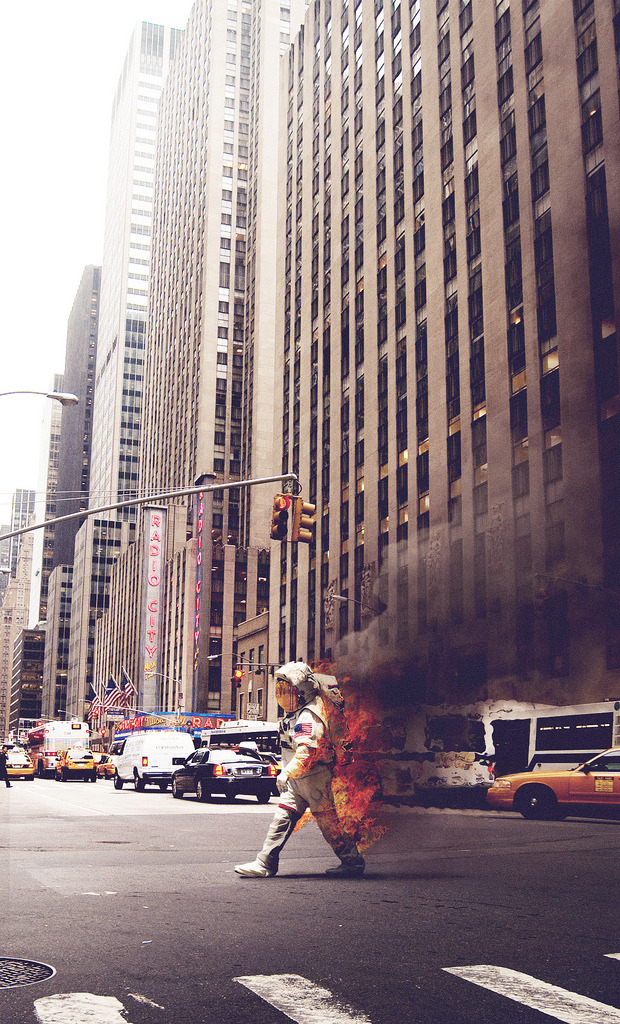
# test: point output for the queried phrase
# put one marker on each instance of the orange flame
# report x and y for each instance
(357, 784)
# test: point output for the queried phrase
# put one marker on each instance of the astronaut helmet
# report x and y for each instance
(295, 686)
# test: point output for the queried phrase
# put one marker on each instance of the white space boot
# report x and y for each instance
(266, 863)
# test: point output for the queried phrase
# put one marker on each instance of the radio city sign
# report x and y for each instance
(154, 555)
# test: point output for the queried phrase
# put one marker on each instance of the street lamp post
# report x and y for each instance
(352, 600)
(64, 397)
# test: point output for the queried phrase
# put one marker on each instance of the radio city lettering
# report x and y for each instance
(155, 523)
(200, 508)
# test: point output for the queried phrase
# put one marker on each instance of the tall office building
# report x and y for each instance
(446, 289)
(77, 420)
(28, 655)
(210, 350)
(57, 634)
(13, 619)
(125, 271)
(123, 296)
(46, 507)
(72, 486)
(5, 551)
(22, 508)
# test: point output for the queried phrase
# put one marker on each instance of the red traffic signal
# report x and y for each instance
(280, 515)
(238, 676)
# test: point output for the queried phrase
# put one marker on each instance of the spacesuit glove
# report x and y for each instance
(282, 782)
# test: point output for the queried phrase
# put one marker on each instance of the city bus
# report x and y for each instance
(49, 739)
(563, 737)
(265, 735)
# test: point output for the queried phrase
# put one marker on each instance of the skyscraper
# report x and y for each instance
(77, 420)
(446, 288)
(117, 412)
(72, 490)
(46, 507)
(125, 270)
(208, 393)
(22, 507)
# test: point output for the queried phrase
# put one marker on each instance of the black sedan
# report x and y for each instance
(226, 771)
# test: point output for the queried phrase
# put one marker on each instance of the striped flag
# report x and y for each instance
(95, 703)
(128, 690)
(113, 695)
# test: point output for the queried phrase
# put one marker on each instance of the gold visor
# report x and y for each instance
(287, 696)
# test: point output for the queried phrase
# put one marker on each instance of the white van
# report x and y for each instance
(151, 757)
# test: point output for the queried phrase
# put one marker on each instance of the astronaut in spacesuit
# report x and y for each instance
(310, 737)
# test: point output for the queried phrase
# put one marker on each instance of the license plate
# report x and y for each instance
(246, 771)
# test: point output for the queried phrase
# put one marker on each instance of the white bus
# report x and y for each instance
(50, 738)
(563, 737)
(265, 735)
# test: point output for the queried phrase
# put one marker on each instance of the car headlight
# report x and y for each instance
(502, 784)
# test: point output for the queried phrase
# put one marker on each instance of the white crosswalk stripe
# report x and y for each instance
(569, 1007)
(79, 1008)
(301, 1000)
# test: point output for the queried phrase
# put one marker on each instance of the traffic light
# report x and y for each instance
(279, 516)
(303, 522)
(238, 676)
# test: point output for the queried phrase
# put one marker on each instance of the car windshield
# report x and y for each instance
(79, 754)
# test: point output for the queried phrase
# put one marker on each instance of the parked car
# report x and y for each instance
(554, 794)
(105, 766)
(149, 758)
(18, 764)
(74, 763)
(228, 771)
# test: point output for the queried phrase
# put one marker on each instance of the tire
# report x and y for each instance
(93, 775)
(264, 797)
(537, 803)
(201, 793)
(118, 782)
(138, 783)
(176, 792)
(63, 775)
(163, 786)
(40, 770)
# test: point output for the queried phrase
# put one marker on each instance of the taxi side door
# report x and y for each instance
(597, 782)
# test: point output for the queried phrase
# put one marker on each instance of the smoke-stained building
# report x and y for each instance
(447, 369)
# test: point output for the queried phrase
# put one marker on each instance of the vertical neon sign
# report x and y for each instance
(200, 515)
(154, 555)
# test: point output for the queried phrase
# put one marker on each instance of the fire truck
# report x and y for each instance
(49, 739)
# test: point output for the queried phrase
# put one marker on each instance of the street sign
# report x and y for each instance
(253, 708)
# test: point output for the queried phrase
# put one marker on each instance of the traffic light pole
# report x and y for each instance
(130, 503)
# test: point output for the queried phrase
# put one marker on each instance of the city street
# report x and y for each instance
(132, 900)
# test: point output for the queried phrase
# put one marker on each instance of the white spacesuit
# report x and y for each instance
(309, 739)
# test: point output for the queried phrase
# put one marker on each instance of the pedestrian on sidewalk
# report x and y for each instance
(309, 738)
(4, 754)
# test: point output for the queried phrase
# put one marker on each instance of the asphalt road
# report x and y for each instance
(132, 899)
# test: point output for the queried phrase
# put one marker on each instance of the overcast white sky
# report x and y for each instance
(60, 66)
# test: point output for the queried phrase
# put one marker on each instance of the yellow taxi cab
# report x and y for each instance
(76, 762)
(105, 766)
(18, 764)
(552, 795)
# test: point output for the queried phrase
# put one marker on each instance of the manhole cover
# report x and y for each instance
(23, 972)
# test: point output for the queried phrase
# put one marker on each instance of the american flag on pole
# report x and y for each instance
(128, 690)
(113, 695)
(95, 703)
